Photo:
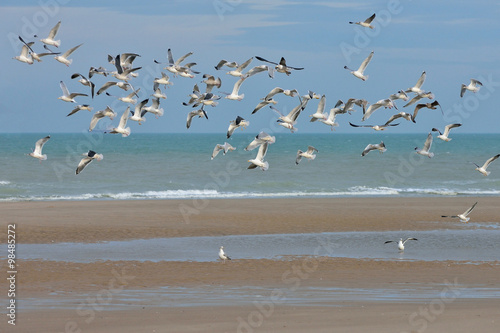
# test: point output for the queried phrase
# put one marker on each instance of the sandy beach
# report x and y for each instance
(442, 284)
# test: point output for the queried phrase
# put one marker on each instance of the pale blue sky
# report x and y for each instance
(453, 41)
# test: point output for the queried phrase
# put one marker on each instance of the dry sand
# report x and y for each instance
(93, 221)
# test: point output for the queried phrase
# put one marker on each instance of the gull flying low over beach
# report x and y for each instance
(260, 138)
(225, 148)
(359, 73)
(366, 23)
(37, 152)
(401, 242)
(234, 124)
(52, 34)
(121, 129)
(89, 157)
(427, 146)
(309, 154)
(473, 86)
(378, 146)
(463, 217)
(258, 161)
(63, 58)
(222, 255)
(444, 136)
(483, 168)
(66, 96)
(282, 67)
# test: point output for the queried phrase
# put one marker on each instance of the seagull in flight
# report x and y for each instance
(463, 217)
(366, 23)
(89, 157)
(432, 106)
(417, 88)
(260, 138)
(258, 161)
(85, 82)
(473, 86)
(52, 34)
(359, 73)
(25, 56)
(282, 67)
(225, 148)
(309, 154)
(401, 242)
(79, 108)
(66, 96)
(483, 168)
(238, 69)
(375, 127)
(63, 58)
(444, 136)
(37, 152)
(234, 124)
(379, 146)
(427, 146)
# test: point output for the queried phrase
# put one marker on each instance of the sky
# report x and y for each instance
(452, 41)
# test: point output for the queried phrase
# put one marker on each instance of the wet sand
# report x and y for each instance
(94, 221)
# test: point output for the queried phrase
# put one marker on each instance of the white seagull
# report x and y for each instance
(123, 85)
(417, 88)
(359, 72)
(238, 69)
(234, 124)
(281, 67)
(200, 113)
(379, 146)
(320, 111)
(25, 55)
(234, 95)
(258, 161)
(483, 168)
(85, 82)
(122, 73)
(37, 152)
(401, 242)
(52, 34)
(444, 136)
(222, 255)
(175, 67)
(375, 127)
(261, 138)
(63, 58)
(463, 217)
(330, 120)
(79, 108)
(386, 103)
(432, 106)
(164, 79)
(365, 23)
(225, 148)
(121, 125)
(154, 108)
(309, 154)
(89, 157)
(139, 112)
(108, 112)
(473, 86)
(66, 96)
(427, 146)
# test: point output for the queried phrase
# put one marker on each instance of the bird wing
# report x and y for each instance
(475, 82)
(262, 59)
(139, 106)
(95, 118)
(421, 80)
(73, 95)
(417, 108)
(365, 62)
(321, 105)
(462, 90)
(262, 151)
(244, 65)
(224, 62)
(413, 100)
(276, 90)
(447, 128)
(368, 148)
(409, 238)
(370, 19)
(64, 88)
(169, 56)
(488, 162)
(353, 125)
(311, 149)
(256, 69)
(181, 59)
(428, 142)
(39, 144)
(71, 50)
(53, 31)
(218, 147)
(467, 212)
(237, 85)
(124, 118)
(105, 86)
(83, 163)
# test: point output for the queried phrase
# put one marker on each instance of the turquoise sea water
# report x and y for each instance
(170, 166)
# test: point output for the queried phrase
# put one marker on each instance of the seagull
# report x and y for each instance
(121, 125)
(225, 148)
(447, 128)
(223, 256)
(63, 58)
(234, 124)
(108, 112)
(34, 55)
(25, 56)
(432, 106)
(290, 119)
(186, 71)
(264, 103)
(350, 102)
(260, 138)
(37, 152)
(200, 113)
(427, 146)
(417, 88)
(124, 60)
(401, 114)
(401, 242)
(175, 67)
(211, 82)
(379, 146)
(123, 85)
(473, 86)
(401, 94)
(157, 92)
(52, 34)
(164, 79)
(258, 69)
(89, 157)
(258, 161)
(154, 108)
(79, 108)
(365, 23)
(386, 103)
(139, 112)
(122, 73)
(463, 217)
(130, 97)
(419, 96)
(282, 67)
(483, 168)
(330, 120)
(238, 69)
(359, 72)
(101, 70)
(85, 82)
(309, 154)
(278, 90)
(375, 127)
(320, 111)
(234, 95)
(67, 97)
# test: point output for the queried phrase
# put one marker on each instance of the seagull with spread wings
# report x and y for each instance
(366, 23)
(359, 73)
(463, 217)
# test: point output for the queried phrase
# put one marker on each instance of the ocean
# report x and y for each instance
(178, 166)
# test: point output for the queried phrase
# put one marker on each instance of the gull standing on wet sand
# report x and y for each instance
(222, 255)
